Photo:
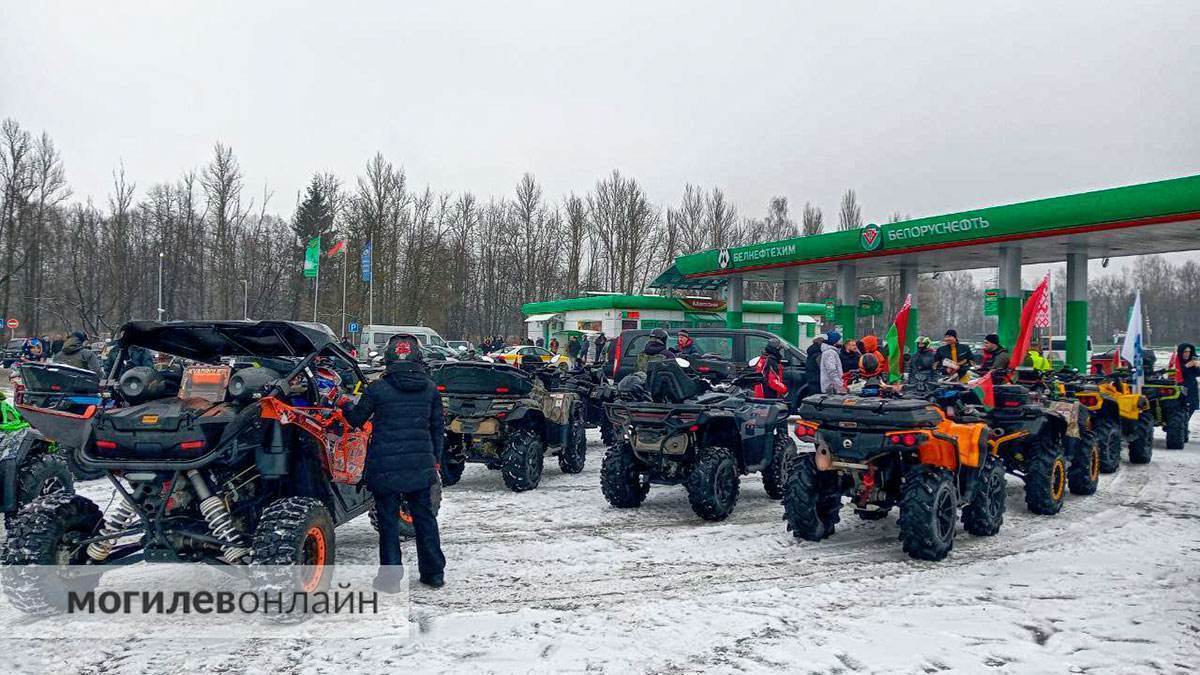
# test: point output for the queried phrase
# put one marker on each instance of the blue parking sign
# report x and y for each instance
(353, 327)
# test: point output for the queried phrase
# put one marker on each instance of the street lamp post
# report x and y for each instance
(161, 311)
(245, 299)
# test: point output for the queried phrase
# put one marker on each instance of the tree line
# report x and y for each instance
(460, 263)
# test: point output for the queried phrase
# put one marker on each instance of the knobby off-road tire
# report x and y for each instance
(619, 477)
(1176, 425)
(407, 531)
(522, 461)
(774, 475)
(80, 473)
(451, 469)
(37, 476)
(41, 534)
(1045, 474)
(985, 514)
(811, 501)
(573, 455)
(712, 486)
(928, 513)
(1108, 436)
(1084, 475)
(1141, 443)
(297, 531)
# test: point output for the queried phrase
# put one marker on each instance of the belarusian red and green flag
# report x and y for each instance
(896, 338)
(337, 248)
(312, 257)
(982, 388)
(1038, 303)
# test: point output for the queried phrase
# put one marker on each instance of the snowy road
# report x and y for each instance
(557, 580)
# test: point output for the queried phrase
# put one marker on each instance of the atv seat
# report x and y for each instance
(668, 383)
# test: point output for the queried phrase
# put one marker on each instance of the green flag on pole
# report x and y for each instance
(312, 257)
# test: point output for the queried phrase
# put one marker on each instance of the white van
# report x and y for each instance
(1055, 349)
(374, 337)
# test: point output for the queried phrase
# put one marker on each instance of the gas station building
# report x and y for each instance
(1148, 218)
(612, 313)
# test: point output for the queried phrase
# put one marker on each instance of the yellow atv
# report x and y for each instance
(1120, 412)
(1168, 406)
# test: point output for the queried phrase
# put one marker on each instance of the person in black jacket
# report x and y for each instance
(812, 366)
(406, 445)
(1187, 369)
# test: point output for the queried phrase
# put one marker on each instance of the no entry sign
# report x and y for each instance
(12, 324)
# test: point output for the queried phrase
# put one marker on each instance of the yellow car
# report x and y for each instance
(513, 355)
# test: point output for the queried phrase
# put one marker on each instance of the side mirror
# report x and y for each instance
(753, 363)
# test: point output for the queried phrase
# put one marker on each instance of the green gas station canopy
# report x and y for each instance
(1157, 217)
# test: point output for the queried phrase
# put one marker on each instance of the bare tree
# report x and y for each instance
(850, 213)
(812, 221)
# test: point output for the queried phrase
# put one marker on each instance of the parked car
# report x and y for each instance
(514, 355)
(736, 345)
(460, 345)
(11, 352)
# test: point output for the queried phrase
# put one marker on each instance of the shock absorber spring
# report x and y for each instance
(219, 521)
(122, 517)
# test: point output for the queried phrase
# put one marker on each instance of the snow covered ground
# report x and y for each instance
(556, 580)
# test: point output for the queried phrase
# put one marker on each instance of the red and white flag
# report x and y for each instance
(337, 248)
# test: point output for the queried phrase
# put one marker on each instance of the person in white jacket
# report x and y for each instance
(832, 381)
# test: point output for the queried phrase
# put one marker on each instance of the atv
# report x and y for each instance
(1129, 412)
(241, 459)
(671, 431)
(594, 392)
(884, 451)
(39, 387)
(1029, 436)
(1168, 407)
(508, 419)
(1082, 444)
(30, 465)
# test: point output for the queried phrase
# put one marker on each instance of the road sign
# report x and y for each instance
(991, 302)
(353, 326)
(12, 324)
(870, 307)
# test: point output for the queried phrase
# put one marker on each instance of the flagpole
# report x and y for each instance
(371, 286)
(316, 290)
(345, 257)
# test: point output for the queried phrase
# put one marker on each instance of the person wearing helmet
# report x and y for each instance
(770, 366)
(871, 370)
(406, 446)
(922, 365)
(655, 350)
(33, 351)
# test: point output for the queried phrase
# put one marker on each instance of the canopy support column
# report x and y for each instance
(791, 315)
(1009, 319)
(908, 287)
(846, 312)
(1077, 309)
(733, 305)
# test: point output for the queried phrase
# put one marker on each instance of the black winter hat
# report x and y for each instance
(950, 332)
(403, 347)
(992, 338)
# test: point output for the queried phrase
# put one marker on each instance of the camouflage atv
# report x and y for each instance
(509, 420)
(1168, 406)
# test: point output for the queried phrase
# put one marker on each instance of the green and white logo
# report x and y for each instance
(871, 237)
(723, 258)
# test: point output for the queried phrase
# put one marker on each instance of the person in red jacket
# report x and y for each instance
(770, 367)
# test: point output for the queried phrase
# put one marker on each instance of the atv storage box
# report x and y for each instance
(860, 412)
(170, 429)
(1010, 395)
(53, 385)
(482, 379)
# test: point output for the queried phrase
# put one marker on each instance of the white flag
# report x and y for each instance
(1131, 349)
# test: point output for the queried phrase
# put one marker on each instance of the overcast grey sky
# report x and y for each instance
(922, 107)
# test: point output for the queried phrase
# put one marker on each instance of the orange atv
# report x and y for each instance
(234, 455)
(883, 452)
